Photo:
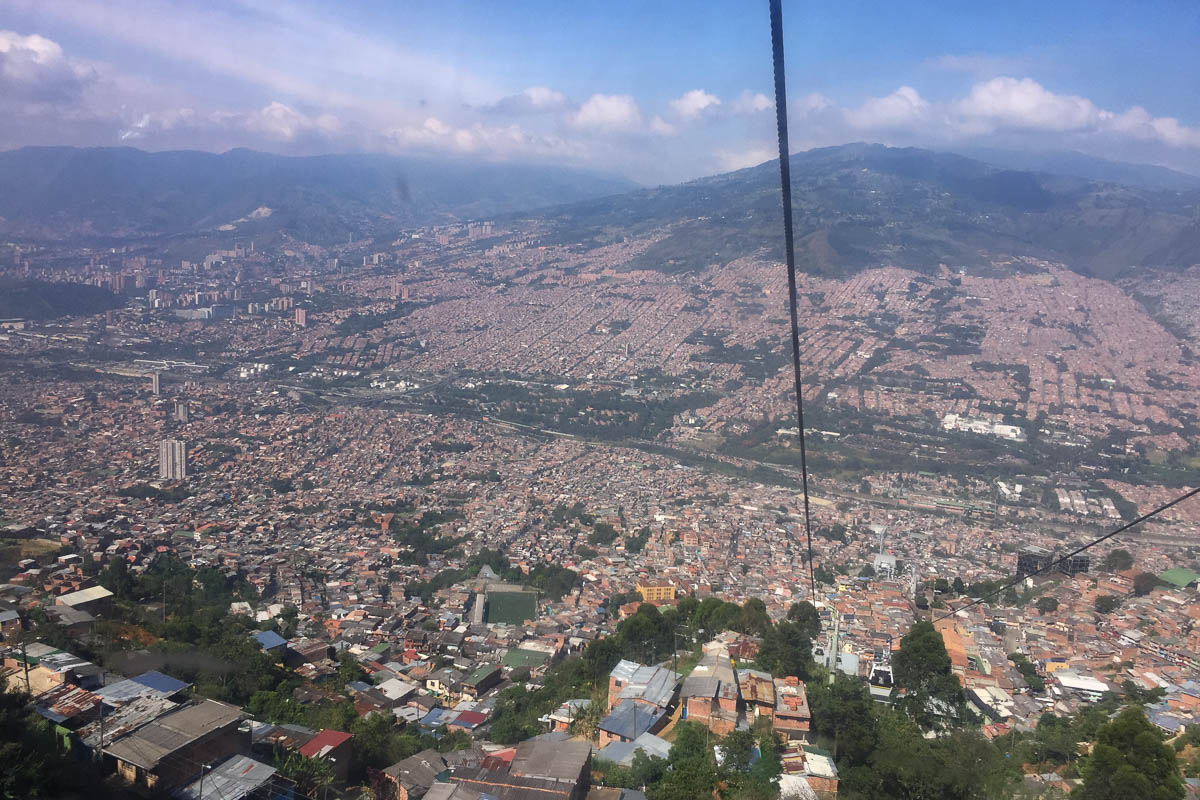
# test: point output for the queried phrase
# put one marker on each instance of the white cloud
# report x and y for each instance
(730, 160)
(1137, 123)
(275, 122)
(609, 112)
(749, 102)
(496, 142)
(34, 69)
(535, 99)
(303, 53)
(38, 49)
(903, 108)
(1025, 104)
(694, 103)
(812, 103)
(310, 84)
(660, 127)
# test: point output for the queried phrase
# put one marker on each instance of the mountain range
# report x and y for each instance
(61, 192)
(860, 206)
(857, 206)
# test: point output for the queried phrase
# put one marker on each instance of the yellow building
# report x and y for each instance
(656, 592)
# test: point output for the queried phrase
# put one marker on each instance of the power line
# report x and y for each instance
(785, 177)
(1075, 552)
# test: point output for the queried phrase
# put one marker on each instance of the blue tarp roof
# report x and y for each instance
(434, 717)
(160, 682)
(268, 640)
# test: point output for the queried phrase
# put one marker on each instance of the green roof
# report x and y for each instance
(511, 608)
(1180, 576)
(516, 657)
(479, 673)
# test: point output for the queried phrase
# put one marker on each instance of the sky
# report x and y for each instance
(659, 92)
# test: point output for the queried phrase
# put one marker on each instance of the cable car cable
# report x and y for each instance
(1073, 553)
(785, 176)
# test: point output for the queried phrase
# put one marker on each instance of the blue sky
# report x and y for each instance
(656, 91)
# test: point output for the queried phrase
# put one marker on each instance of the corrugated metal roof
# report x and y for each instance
(630, 719)
(66, 702)
(160, 682)
(152, 742)
(148, 684)
(232, 779)
(323, 742)
(83, 596)
(653, 684)
(560, 761)
(268, 640)
(124, 719)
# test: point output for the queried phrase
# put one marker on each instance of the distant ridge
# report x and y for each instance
(60, 192)
(41, 300)
(860, 206)
(1081, 165)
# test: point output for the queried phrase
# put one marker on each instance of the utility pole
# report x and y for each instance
(25, 661)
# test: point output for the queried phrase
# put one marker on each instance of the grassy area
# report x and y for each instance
(13, 550)
(687, 663)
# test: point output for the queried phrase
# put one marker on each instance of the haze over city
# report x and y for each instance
(433, 402)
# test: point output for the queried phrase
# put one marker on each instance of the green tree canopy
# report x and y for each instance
(1107, 603)
(786, 649)
(1130, 760)
(1118, 560)
(843, 712)
(1144, 583)
(1047, 605)
(921, 667)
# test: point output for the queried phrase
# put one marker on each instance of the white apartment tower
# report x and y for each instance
(172, 460)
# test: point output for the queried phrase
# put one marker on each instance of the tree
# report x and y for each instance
(117, 578)
(1144, 583)
(1107, 603)
(310, 775)
(754, 617)
(1118, 560)
(922, 668)
(1140, 697)
(844, 712)
(646, 769)
(693, 773)
(1028, 671)
(603, 533)
(958, 586)
(30, 762)
(806, 616)
(867, 571)
(786, 649)
(1130, 759)
(1047, 605)
(378, 743)
(349, 670)
(904, 764)
(737, 749)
